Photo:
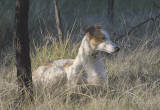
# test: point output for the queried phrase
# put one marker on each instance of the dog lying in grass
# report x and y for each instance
(86, 68)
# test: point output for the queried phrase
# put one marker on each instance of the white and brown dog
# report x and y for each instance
(87, 65)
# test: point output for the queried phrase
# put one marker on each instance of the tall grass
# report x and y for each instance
(133, 80)
(133, 73)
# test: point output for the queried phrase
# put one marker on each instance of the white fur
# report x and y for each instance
(87, 66)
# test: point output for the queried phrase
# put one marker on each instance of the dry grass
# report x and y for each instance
(133, 73)
(134, 78)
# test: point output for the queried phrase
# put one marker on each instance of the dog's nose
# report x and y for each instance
(117, 49)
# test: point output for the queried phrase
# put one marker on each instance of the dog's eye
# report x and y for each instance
(103, 38)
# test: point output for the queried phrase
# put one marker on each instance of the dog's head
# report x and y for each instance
(100, 40)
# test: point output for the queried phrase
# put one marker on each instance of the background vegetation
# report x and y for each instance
(134, 72)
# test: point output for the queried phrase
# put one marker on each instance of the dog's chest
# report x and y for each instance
(90, 73)
(95, 72)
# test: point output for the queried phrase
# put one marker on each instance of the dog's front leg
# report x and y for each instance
(74, 74)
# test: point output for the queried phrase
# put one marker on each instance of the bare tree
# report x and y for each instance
(58, 21)
(21, 41)
(110, 10)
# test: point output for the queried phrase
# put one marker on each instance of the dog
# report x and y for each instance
(87, 66)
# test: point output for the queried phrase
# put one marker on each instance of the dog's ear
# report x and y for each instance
(98, 27)
(90, 30)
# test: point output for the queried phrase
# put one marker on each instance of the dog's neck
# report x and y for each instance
(88, 57)
(86, 53)
(89, 60)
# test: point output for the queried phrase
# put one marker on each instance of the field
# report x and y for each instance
(133, 73)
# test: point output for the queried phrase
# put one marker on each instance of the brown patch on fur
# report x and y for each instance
(91, 29)
(67, 64)
(97, 38)
(95, 35)
(49, 63)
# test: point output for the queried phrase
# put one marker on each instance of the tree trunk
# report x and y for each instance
(58, 22)
(21, 41)
(110, 10)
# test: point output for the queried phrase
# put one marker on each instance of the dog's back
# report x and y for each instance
(50, 72)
